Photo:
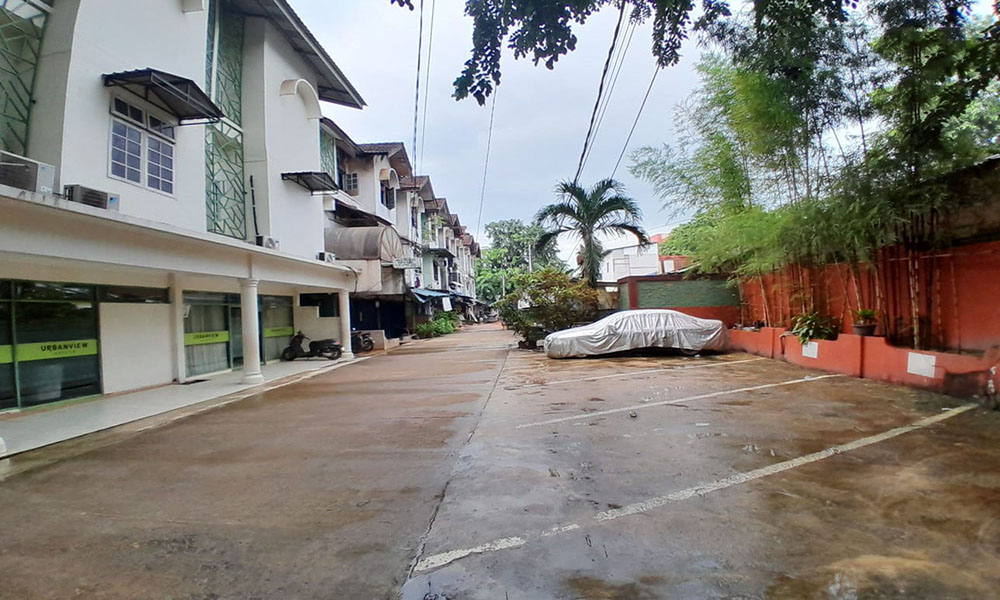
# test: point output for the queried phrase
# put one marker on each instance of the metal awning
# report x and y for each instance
(441, 251)
(364, 243)
(178, 95)
(314, 181)
(423, 295)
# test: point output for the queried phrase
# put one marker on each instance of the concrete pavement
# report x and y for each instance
(458, 468)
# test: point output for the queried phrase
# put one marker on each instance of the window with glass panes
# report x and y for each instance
(142, 148)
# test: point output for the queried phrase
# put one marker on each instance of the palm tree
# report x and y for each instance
(602, 209)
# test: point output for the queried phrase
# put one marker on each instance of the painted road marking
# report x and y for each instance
(633, 373)
(439, 560)
(611, 411)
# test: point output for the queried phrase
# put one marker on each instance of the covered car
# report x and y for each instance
(635, 329)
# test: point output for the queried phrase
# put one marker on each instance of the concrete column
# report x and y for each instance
(251, 332)
(177, 328)
(344, 304)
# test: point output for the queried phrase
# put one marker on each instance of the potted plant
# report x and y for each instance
(864, 322)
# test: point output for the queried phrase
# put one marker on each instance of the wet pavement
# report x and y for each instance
(460, 468)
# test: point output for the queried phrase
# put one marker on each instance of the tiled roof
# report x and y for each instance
(414, 183)
(389, 148)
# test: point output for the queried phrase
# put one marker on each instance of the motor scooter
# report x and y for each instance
(361, 341)
(329, 348)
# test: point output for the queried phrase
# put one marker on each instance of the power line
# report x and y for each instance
(615, 71)
(486, 165)
(427, 86)
(636, 122)
(416, 96)
(600, 91)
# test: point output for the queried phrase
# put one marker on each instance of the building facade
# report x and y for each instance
(163, 193)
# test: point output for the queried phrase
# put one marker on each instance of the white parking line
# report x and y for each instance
(439, 560)
(612, 411)
(633, 373)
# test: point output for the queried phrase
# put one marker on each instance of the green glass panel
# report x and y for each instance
(273, 332)
(328, 154)
(229, 64)
(225, 188)
(22, 24)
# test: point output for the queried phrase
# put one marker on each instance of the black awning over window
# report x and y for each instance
(314, 181)
(178, 95)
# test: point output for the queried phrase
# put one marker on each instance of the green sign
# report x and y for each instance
(64, 349)
(206, 337)
(6, 355)
(273, 332)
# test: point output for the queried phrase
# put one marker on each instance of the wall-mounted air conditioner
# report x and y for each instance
(26, 174)
(91, 197)
(327, 257)
(266, 241)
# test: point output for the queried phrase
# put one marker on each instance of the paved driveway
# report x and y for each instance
(459, 468)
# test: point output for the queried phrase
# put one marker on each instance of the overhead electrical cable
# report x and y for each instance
(416, 93)
(427, 87)
(600, 91)
(486, 165)
(615, 71)
(636, 121)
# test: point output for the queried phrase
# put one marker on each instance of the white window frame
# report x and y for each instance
(350, 182)
(147, 132)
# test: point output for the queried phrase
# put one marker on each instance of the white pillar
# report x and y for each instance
(345, 322)
(177, 327)
(251, 332)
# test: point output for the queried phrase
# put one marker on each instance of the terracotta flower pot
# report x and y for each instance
(864, 329)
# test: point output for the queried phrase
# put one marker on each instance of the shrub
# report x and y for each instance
(546, 301)
(426, 330)
(814, 326)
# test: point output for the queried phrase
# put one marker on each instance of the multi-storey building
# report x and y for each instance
(161, 207)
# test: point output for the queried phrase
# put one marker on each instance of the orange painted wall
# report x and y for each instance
(958, 299)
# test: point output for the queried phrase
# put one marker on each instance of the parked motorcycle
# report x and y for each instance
(361, 341)
(329, 348)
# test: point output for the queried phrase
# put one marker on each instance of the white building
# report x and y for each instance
(186, 136)
(630, 261)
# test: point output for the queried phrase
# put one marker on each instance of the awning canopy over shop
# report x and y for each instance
(364, 243)
(423, 295)
(178, 95)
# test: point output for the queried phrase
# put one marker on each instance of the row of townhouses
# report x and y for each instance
(173, 202)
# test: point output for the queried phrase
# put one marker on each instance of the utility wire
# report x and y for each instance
(615, 70)
(600, 91)
(427, 86)
(486, 165)
(416, 94)
(636, 122)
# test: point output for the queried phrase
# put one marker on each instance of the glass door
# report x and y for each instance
(236, 336)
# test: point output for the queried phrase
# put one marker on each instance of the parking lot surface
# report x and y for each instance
(462, 468)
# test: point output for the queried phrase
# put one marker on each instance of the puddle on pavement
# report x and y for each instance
(592, 588)
(883, 577)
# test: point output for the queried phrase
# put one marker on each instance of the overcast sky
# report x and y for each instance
(541, 116)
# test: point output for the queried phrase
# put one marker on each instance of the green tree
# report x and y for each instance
(603, 209)
(543, 29)
(512, 253)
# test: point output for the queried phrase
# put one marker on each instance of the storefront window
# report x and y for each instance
(206, 337)
(43, 290)
(56, 349)
(275, 324)
(8, 395)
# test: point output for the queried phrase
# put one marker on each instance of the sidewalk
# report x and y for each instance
(35, 428)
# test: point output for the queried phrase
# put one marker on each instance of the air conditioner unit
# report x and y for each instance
(26, 174)
(266, 241)
(91, 197)
(326, 257)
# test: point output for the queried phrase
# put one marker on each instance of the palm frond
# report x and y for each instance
(557, 214)
(625, 228)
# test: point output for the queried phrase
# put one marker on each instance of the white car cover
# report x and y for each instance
(634, 329)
